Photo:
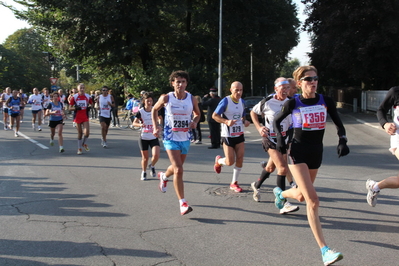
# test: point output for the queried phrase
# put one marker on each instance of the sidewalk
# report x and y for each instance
(368, 118)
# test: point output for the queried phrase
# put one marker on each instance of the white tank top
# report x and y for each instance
(178, 117)
(36, 101)
(105, 108)
(233, 111)
(147, 129)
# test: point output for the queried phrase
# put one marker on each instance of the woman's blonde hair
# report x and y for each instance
(300, 71)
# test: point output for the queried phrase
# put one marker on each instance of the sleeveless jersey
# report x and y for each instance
(58, 108)
(146, 120)
(233, 111)
(105, 108)
(177, 118)
(5, 97)
(36, 101)
(14, 105)
(310, 117)
(46, 101)
(271, 108)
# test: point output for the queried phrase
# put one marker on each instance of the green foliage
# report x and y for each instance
(24, 64)
(289, 67)
(355, 41)
(136, 44)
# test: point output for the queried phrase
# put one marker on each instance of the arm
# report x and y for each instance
(254, 116)
(154, 113)
(383, 109)
(332, 111)
(219, 111)
(197, 113)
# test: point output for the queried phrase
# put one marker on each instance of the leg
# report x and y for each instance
(60, 127)
(155, 155)
(144, 160)
(176, 169)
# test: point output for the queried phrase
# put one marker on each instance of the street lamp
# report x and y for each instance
(252, 73)
(220, 51)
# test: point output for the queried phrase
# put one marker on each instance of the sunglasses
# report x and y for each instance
(310, 79)
(105, 90)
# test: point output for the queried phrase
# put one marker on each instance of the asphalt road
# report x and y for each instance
(92, 209)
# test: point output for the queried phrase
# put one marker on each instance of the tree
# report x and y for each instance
(355, 41)
(28, 65)
(289, 67)
(135, 39)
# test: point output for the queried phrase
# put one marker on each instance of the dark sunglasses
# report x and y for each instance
(105, 90)
(310, 79)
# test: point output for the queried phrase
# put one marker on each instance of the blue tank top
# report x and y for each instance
(310, 117)
(14, 105)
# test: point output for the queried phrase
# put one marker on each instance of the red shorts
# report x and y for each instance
(81, 116)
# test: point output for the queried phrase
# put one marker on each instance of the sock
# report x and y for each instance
(164, 177)
(79, 143)
(182, 201)
(263, 176)
(236, 173)
(152, 167)
(143, 172)
(84, 140)
(281, 182)
(222, 161)
(376, 188)
(324, 249)
(61, 147)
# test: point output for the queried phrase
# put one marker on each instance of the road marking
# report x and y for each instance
(44, 147)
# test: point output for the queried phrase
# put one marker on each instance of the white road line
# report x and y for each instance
(44, 147)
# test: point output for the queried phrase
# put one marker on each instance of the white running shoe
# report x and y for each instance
(104, 144)
(162, 183)
(371, 194)
(143, 176)
(16, 134)
(153, 173)
(33, 127)
(185, 208)
(39, 128)
(288, 207)
(51, 142)
(256, 195)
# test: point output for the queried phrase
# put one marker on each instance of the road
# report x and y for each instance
(92, 209)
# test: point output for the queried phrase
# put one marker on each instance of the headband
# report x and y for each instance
(281, 83)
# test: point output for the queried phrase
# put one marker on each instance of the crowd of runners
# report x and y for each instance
(292, 130)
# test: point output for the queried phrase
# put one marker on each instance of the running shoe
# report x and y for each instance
(217, 167)
(371, 194)
(235, 187)
(16, 134)
(293, 184)
(288, 207)
(278, 201)
(62, 150)
(162, 183)
(143, 176)
(51, 142)
(79, 151)
(185, 208)
(263, 164)
(5, 128)
(104, 144)
(86, 147)
(331, 256)
(153, 173)
(39, 128)
(256, 195)
(198, 142)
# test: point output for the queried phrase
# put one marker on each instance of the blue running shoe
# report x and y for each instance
(331, 256)
(278, 201)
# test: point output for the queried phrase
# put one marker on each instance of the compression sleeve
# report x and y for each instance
(332, 111)
(385, 106)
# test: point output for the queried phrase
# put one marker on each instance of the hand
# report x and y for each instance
(390, 128)
(263, 131)
(247, 123)
(281, 146)
(230, 122)
(342, 148)
(77, 107)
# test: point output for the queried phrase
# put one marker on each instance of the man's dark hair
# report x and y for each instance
(180, 74)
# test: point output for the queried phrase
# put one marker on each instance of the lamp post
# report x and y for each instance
(252, 73)
(220, 51)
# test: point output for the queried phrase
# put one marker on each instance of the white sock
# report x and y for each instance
(182, 201)
(376, 188)
(222, 161)
(164, 177)
(236, 174)
(79, 143)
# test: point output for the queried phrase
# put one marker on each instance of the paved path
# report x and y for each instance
(65, 209)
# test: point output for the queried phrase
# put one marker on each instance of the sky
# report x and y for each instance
(10, 24)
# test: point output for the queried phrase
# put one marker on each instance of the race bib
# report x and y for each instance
(237, 129)
(313, 117)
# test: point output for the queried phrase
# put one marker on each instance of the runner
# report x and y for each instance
(392, 128)
(14, 104)
(309, 115)
(55, 110)
(269, 108)
(79, 103)
(179, 107)
(70, 108)
(36, 100)
(46, 100)
(230, 113)
(4, 97)
(147, 140)
(105, 103)
(24, 98)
